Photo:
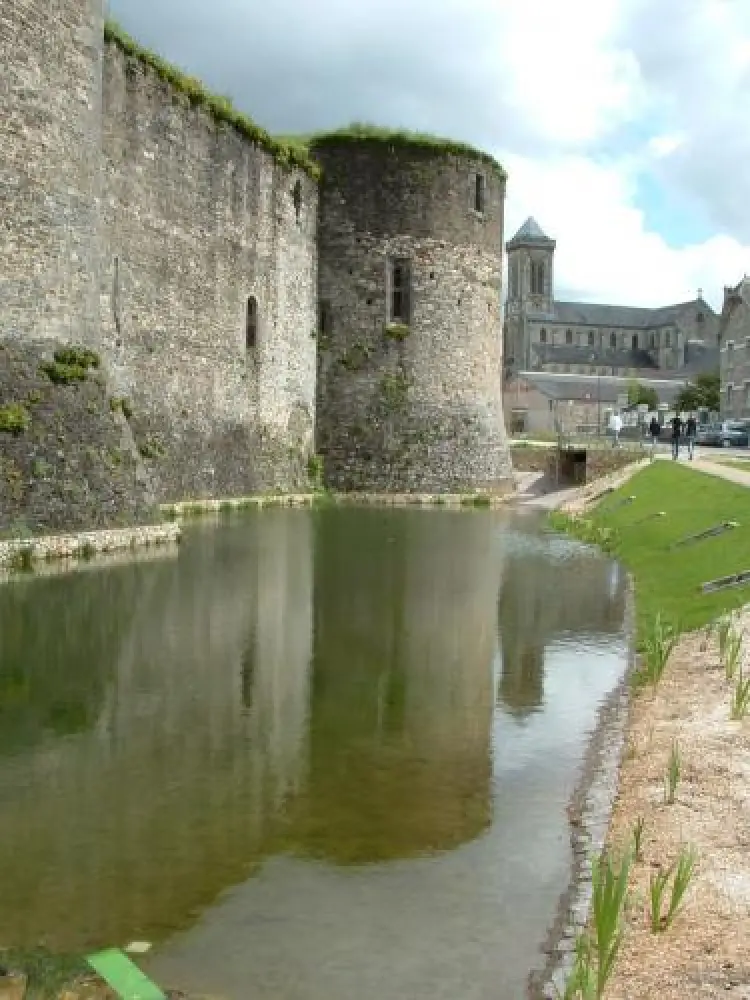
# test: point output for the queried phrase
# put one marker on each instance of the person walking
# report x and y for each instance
(654, 429)
(691, 429)
(615, 425)
(677, 427)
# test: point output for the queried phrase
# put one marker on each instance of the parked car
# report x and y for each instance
(729, 434)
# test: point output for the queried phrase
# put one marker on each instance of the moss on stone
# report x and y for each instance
(14, 418)
(359, 133)
(397, 331)
(71, 364)
(220, 108)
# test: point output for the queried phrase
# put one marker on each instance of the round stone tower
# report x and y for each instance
(409, 339)
(50, 128)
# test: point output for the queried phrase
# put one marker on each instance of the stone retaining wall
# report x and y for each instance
(22, 554)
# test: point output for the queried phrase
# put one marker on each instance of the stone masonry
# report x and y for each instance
(411, 402)
(140, 224)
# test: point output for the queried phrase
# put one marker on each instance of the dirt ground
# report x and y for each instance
(706, 951)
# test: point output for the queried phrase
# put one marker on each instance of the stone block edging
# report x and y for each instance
(22, 554)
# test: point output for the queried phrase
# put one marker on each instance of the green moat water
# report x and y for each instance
(320, 755)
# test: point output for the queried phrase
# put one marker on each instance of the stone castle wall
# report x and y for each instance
(50, 125)
(142, 226)
(196, 220)
(418, 407)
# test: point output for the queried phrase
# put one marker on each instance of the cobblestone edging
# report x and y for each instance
(27, 553)
(195, 508)
(590, 812)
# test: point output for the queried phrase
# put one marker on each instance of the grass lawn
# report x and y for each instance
(669, 581)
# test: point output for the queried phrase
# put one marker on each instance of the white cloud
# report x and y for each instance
(605, 252)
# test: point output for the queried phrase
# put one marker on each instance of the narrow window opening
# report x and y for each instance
(324, 319)
(542, 336)
(479, 193)
(591, 338)
(116, 295)
(399, 292)
(634, 342)
(251, 323)
(297, 200)
(568, 336)
(667, 339)
(613, 340)
(537, 278)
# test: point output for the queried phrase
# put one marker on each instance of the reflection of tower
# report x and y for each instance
(533, 612)
(148, 818)
(402, 689)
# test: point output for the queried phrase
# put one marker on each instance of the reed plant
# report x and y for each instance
(681, 872)
(659, 643)
(672, 777)
(740, 703)
(732, 655)
(638, 837)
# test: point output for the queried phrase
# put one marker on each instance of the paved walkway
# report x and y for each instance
(714, 468)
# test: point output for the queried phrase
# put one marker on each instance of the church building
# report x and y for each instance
(543, 334)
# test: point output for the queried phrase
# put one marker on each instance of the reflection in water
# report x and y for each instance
(318, 687)
(405, 631)
(542, 599)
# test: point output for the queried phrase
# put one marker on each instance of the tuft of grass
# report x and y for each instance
(657, 647)
(22, 560)
(672, 777)
(610, 886)
(361, 133)
(681, 872)
(740, 703)
(397, 331)
(221, 109)
(14, 418)
(732, 653)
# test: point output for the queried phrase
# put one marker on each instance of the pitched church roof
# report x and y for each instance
(530, 233)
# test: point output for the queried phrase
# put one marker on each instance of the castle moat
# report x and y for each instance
(319, 754)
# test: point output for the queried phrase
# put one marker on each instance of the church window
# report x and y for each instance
(652, 341)
(591, 338)
(667, 339)
(297, 200)
(514, 279)
(479, 192)
(568, 336)
(542, 336)
(613, 340)
(398, 291)
(700, 318)
(537, 277)
(251, 323)
(634, 342)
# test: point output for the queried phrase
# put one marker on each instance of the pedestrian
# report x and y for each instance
(654, 429)
(615, 425)
(691, 429)
(677, 427)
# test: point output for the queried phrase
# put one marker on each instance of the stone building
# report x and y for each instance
(735, 351)
(542, 333)
(153, 223)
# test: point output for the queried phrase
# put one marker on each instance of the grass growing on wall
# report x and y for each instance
(668, 580)
(220, 108)
(359, 133)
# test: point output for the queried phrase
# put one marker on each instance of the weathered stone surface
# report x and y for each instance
(197, 220)
(84, 544)
(422, 411)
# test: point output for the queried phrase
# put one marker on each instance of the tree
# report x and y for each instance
(642, 394)
(700, 394)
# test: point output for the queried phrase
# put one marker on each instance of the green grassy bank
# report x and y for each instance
(668, 580)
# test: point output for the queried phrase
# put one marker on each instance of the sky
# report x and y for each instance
(622, 124)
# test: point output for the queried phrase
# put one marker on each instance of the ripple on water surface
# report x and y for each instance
(322, 754)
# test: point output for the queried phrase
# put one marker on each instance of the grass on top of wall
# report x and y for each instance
(669, 580)
(221, 108)
(359, 133)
